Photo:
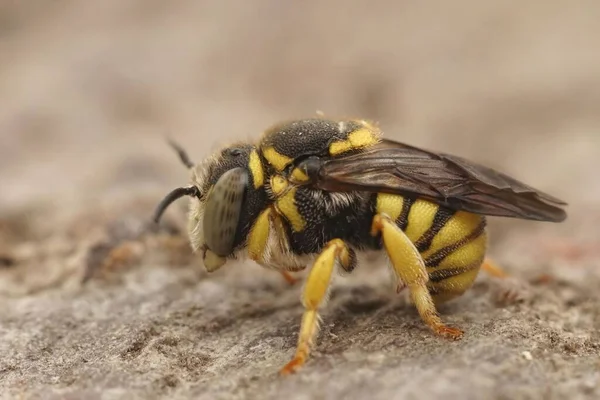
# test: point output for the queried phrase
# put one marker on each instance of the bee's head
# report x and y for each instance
(226, 193)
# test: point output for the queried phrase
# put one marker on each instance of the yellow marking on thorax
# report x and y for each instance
(420, 218)
(390, 204)
(363, 137)
(276, 159)
(278, 185)
(460, 225)
(299, 176)
(359, 139)
(339, 147)
(286, 205)
(257, 169)
(259, 235)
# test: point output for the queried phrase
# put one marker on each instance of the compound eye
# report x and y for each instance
(223, 210)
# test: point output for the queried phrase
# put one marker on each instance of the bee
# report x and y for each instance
(319, 191)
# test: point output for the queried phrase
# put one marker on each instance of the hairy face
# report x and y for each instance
(215, 217)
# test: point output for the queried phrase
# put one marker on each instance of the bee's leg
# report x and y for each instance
(410, 268)
(493, 269)
(508, 290)
(315, 291)
(289, 278)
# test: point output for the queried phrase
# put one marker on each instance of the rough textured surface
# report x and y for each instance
(89, 89)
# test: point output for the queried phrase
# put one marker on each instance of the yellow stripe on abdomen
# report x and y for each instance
(460, 241)
(453, 265)
(459, 226)
(420, 219)
(452, 244)
(466, 256)
(389, 204)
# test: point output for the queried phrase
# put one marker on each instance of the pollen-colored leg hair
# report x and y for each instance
(315, 291)
(410, 269)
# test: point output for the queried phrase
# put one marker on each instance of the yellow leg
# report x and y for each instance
(315, 291)
(410, 268)
(493, 269)
(289, 278)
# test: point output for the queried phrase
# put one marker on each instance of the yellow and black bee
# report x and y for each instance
(317, 191)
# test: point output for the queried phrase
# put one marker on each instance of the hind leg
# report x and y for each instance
(493, 269)
(410, 268)
(508, 290)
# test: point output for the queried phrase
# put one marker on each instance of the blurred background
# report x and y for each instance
(89, 90)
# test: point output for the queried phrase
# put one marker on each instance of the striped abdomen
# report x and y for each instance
(451, 243)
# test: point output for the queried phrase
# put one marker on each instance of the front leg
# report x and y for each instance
(315, 292)
(289, 278)
(410, 269)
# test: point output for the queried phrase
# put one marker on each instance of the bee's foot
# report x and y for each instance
(293, 366)
(511, 291)
(449, 332)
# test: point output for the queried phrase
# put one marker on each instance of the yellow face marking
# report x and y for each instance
(390, 204)
(299, 175)
(276, 159)
(420, 218)
(278, 184)
(257, 170)
(286, 206)
(259, 234)
(359, 139)
(459, 226)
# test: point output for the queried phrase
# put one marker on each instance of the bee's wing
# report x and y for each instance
(393, 167)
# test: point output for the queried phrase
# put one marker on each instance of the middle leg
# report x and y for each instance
(315, 291)
(289, 278)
